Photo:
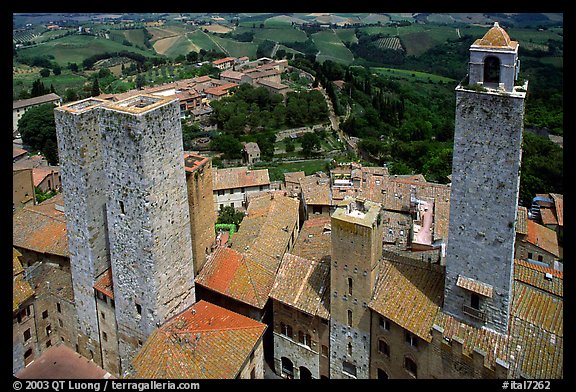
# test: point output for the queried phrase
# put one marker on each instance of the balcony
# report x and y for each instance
(474, 313)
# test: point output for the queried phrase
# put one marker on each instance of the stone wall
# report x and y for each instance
(483, 202)
(83, 183)
(148, 219)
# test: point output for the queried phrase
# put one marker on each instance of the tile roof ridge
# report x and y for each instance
(170, 332)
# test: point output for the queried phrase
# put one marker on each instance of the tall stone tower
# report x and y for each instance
(127, 208)
(82, 172)
(148, 216)
(485, 184)
(357, 232)
(201, 204)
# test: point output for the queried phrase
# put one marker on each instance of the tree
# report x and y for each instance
(45, 72)
(95, 88)
(38, 88)
(38, 131)
(310, 142)
(229, 215)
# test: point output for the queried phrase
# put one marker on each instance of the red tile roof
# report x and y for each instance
(543, 237)
(238, 177)
(203, 342)
(104, 283)
(41, 228)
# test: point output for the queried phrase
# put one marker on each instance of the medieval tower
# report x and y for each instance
(82, 171)
(485, 185)
(357, 231)
(147, 222)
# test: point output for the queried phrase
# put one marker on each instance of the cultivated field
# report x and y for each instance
(331, 48)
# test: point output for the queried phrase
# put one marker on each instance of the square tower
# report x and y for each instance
(485, 185)
(148, 216)
(201, 204)
(357, 232)
(83, 179)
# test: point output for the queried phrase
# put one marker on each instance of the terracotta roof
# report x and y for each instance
(224, 60)
(247, 270)
(104, 283)
(316, 189)
(60, 362)
(41, 172)
(475, 286)
(559, 206)
(50, 278)
(548, 216)
(304, 284)
(21, 289)
(521, 219)
(22, 103)
(193, 161)
(496, 37)
(314, 241)
(203, 342)
(409, 295)
(294, 176)
(543, 237)
(41, 228)
(252, 148)
(536, 331)
(237, 276)
(542, 277)
(494, 344)
(238, 177)
(16, 152)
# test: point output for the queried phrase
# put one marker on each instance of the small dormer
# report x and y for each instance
(494, 60)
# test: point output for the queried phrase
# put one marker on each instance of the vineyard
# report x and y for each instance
(389, 43)
(22, 36)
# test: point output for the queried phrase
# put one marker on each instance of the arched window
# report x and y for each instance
(491, 69)
(305, 374)
(411, 366)
(287, 367)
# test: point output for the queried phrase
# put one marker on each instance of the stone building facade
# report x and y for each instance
(485, 174)
(357, 232)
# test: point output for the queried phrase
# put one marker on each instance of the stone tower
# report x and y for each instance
(357, 231)
(148, 216)
(485, 184)
(201, 204)
(127, 208)
(82, 171)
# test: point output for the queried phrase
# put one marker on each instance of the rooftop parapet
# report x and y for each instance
(140, 103)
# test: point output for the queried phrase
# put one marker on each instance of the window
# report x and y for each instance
(45, 314)
(382, 375)
(221, 193)
(349, 286)
(286, 330)
(540, 258)
(411, 366)
(385, 323)
(112, 303)
(48, 330)
(349, 348)
(243, 190)
(232, 191)
(27, 335)
(324, 351)
(139, 309)
(60, 323)
(122, 211)
(383, 347)
(104, 336)
(411, 339)
(99, 295)
(58, 307)
(349, 318)
(475, 301)
(349, 368)
(28, 353)
(529, 255)
(103, 315)
(48, 343)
